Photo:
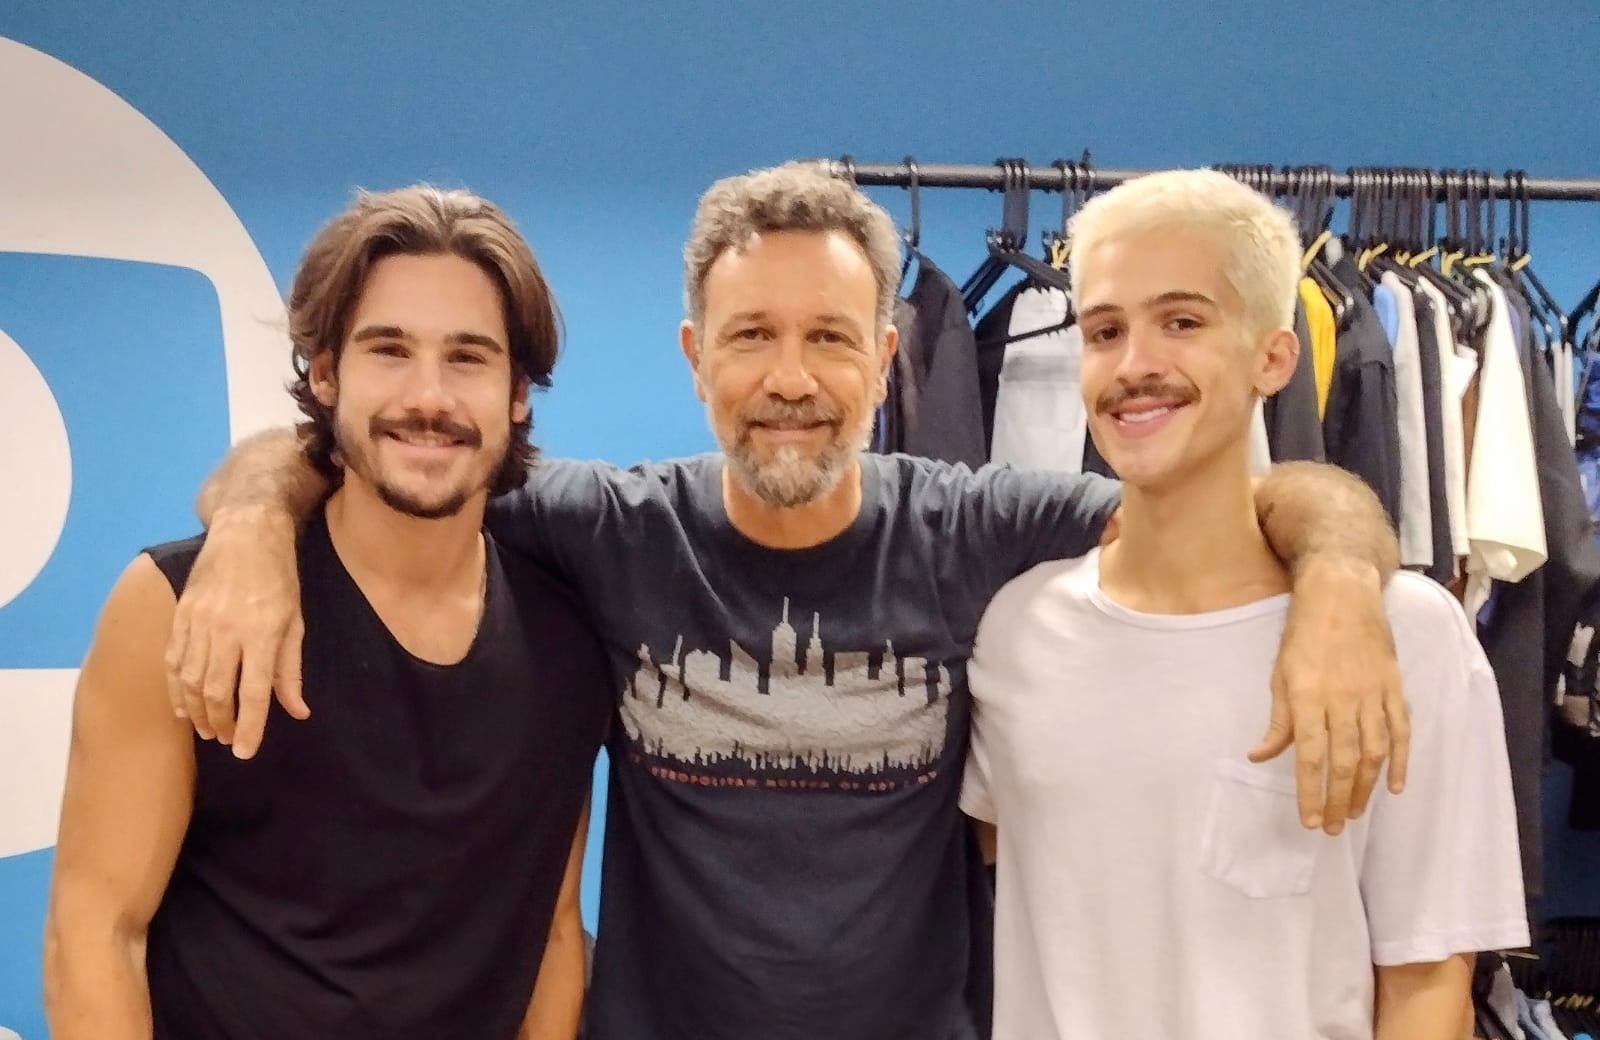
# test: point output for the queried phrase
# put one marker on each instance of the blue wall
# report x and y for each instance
(597, 125)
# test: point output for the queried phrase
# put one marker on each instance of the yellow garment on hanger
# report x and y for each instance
(1319, 319)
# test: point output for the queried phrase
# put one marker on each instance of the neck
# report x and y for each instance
(793, 527)
(375, 541)
(1193, 545)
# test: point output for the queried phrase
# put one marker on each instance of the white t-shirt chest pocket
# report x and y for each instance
(1251, 839)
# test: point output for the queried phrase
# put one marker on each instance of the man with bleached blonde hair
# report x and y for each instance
(1182, 898)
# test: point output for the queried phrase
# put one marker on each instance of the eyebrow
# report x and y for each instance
(473, 339)
(829, 318)
(1176, 296)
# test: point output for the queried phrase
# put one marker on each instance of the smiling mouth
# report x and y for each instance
(1144, 414)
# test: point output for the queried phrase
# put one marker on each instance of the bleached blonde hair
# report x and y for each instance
(1260, 244)
(797, 196)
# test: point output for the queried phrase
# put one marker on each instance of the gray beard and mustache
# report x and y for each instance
(791, 476)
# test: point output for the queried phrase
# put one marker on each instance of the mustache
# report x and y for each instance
(808, 412)
(1117, 396)
(417, 424)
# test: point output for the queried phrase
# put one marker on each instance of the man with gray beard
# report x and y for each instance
(789, 623)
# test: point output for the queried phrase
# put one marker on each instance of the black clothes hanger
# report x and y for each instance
(1008, 243)
(1012, 226)
(1312, 189)
(1425, 185)
(1358, 235)
(1077, 184)
(1558, 326)
(912, 235)
(1055, 240)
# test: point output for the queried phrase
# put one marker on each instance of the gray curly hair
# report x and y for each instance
(797, 196)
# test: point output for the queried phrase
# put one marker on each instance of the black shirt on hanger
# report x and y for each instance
(991, 333)
(1429, 349)
(1294, 430)
(1361, 425)
(940, 414)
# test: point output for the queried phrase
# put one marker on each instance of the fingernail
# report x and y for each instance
(1336, 829)
(1314, 820)
(182, 714)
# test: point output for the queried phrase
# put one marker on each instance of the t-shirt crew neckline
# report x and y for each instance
(1177, 622)
(839, 547)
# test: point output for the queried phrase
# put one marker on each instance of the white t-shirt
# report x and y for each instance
(1154, 883)
(1505, 515)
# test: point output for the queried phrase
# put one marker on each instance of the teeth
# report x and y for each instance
(425, 440)
(1143, 417)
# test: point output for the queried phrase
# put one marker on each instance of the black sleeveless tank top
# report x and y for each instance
(388, 868)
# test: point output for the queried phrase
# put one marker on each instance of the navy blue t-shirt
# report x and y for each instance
(784, 854)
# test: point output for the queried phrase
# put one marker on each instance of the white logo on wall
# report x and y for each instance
(82, 173)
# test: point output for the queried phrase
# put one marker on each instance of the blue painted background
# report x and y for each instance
(598, 124)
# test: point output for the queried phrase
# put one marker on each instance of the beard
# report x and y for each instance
(359, 455)
(790, 475)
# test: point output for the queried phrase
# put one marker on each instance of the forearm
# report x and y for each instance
(268, 472)
(95, 986)
(558, 995)
(1315, 513)
(1422, 1001)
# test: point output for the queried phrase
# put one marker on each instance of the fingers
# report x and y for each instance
(1399, 725)
(1280, 728)
(255, 695)
(192, 683)
(1374, 752)
(291, 693)
(1344, 761)
(221, 683)
(177, 643)
(1310, 753)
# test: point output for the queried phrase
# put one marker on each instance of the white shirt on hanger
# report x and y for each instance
(1039, 416)
(1455, 375)
(1505, 517)
(1416, 513)
(1154, 883)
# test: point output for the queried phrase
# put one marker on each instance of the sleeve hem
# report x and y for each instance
(979, 808)
(1429, 949)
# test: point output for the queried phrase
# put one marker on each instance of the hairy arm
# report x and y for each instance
(129, 794)
(268, 472)
(558, 995)
(238, 625)
(1336, 693)
(1423, 1001)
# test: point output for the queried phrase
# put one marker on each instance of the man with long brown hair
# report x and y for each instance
(395, 867)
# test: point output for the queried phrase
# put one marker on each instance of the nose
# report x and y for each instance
(789, 376)
(1144, 355)
(426, 387)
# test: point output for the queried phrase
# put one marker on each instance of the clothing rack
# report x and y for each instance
(1080, 176)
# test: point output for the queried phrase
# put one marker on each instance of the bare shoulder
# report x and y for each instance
(123, 671)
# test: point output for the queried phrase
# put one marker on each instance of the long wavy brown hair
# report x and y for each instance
(420, 220)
